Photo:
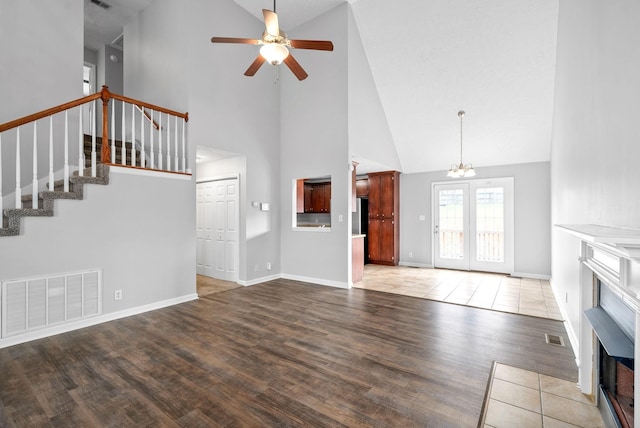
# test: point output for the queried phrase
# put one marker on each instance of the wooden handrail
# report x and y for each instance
(185, 116)
(105, 95)
(49, 112)
(144, 112)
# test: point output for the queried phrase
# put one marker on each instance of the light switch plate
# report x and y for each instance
(264, 206)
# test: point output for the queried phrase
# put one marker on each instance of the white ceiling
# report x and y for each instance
(429, 59)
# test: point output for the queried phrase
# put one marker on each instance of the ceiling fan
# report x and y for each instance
(275, 46)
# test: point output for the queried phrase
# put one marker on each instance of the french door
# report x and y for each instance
(217, 234)
(473, 225)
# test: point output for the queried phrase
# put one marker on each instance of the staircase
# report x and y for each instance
(11, 218)
(118, 154)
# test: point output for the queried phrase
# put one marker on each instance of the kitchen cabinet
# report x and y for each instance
(300, 196)
(362, 188)
(384, 226)
(317, 197)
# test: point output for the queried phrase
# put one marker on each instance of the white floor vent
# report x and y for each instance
(34, 303)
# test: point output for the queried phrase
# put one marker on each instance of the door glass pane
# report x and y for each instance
(490, 224)
(451, 215)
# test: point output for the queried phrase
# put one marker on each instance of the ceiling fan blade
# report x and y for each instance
(320, 45)
(295, 67)
(235, 40)
(255, 65)
(271, 22)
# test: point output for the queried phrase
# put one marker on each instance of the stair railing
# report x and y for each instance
(162, 148)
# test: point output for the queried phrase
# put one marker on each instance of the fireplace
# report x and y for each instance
(604, 340)
(613, 323)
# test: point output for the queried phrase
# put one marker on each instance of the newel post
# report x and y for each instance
(105, 153)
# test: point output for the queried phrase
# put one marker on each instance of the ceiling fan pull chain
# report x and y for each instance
(276, 76)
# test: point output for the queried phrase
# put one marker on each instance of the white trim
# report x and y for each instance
(415, 264)
(573, 337)
(121, 169)
(311, 229)
(235, 176)
(15, 340)
(530, 275)
(316, 281)
(258, 280)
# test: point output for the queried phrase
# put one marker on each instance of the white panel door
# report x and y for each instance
(204, 231)
(217, 229)
(474, 225)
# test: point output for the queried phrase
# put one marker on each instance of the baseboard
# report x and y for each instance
(416, 265)
(319, 281)
(88, 322)
(258, 280)
(530, 275)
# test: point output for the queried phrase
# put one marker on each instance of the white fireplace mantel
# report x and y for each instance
(612, 254)
(624, 242)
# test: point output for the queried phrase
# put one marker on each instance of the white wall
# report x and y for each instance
(369, 135)
(135, 229)
(170, 60)
(41, 67)
(314, 116)
(595, 146)
(532, 228)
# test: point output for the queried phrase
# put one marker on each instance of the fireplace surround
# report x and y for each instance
(609, 275)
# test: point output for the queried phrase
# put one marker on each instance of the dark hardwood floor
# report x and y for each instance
(282, 353)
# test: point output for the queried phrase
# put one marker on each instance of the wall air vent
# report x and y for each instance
(102, 4)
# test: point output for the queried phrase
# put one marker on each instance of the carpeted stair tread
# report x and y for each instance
(11, 217)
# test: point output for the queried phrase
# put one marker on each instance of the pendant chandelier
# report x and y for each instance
(462, 170)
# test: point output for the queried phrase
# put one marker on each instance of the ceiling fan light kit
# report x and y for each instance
(461, 170)
(275, 46)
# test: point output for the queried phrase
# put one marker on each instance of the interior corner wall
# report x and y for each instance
(369, 134)
(314, 116)
(595, 150)
(170, 61)
(532, 215)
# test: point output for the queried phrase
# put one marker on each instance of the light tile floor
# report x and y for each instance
(498, 292)
(521, 398)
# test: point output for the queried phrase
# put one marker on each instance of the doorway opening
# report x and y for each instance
(473, 225)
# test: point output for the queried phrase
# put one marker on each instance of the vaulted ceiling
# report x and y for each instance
(429, 59)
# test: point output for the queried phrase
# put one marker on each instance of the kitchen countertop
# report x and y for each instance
(358, 236)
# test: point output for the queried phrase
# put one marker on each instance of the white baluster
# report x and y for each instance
(18, 172)
(123, 149)
(66, 150)
(1, 180)
(151, 159)
(80, 145)
(184, 155)
(142, 159)
(34, 183)
(168, 143)
(160, 141)
(176, 166)
(93, 140)
(133, 135)
(113, 131)
(51, 154)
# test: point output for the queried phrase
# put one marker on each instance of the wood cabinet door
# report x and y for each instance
(387, 195)
(374, 239)
(374, 196)
(308, 203)
(387, 241)
(362, 188)
(327, 197)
